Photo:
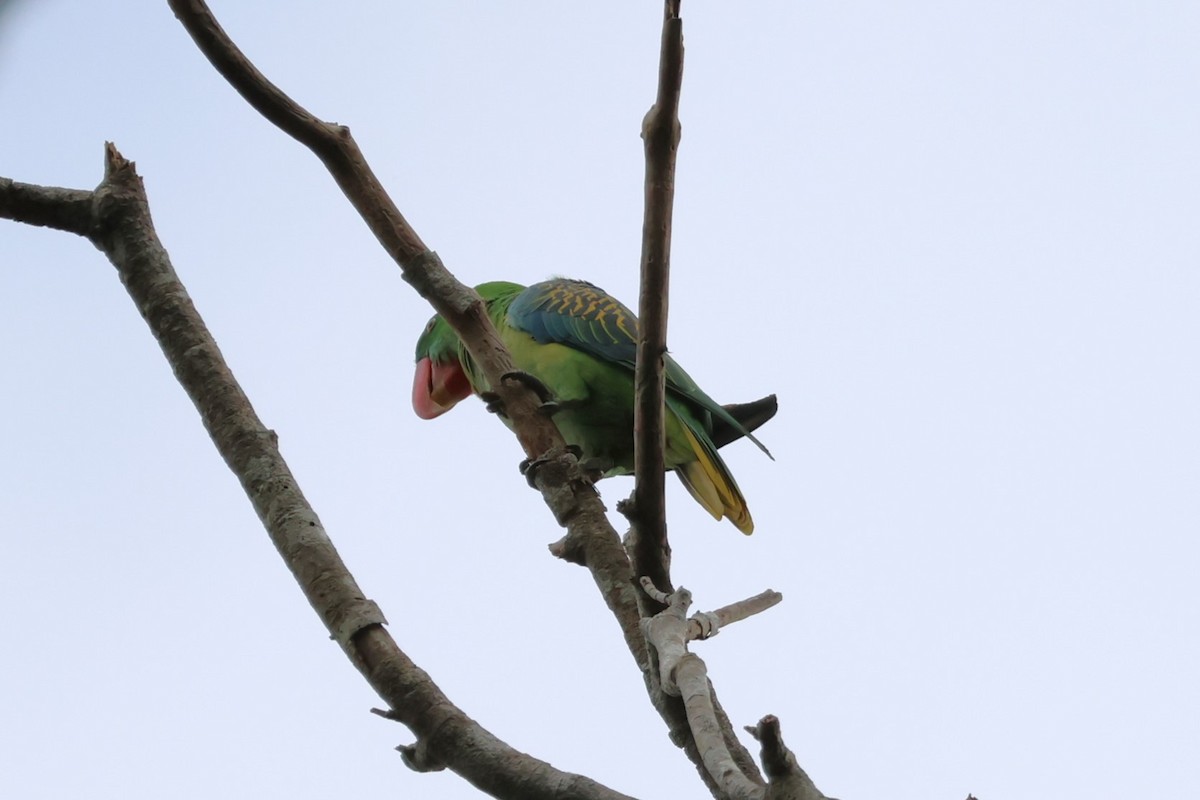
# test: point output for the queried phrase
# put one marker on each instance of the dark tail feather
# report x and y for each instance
(751, 415)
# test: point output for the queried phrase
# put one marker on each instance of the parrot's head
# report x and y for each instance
(440, 381)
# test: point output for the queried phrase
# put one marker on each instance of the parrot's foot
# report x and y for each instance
(530, 466)
(549, 405)
(495, 405)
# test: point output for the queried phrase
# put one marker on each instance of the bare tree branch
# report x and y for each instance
(648, 546)
(707, 624)
(118, 222)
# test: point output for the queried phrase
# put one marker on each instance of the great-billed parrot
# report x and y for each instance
(580, 344)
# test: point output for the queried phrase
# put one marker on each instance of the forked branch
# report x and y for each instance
(684, 674)
(590, 538)
(116, 218)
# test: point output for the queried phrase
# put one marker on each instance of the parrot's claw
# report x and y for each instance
(495, 405)
(530, 466)
(549, 405)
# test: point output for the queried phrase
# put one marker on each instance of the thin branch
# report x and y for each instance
(648, 546)
(46, 206)
(649, 549)
(707, 624)
(120, 225)
(332, 143)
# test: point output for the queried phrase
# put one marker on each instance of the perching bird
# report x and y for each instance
(580, 344)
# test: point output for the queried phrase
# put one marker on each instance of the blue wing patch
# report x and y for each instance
(577, 314)
(581, 315)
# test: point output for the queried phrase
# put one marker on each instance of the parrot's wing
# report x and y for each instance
(589, 319)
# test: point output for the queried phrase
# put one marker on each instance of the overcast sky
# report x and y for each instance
(959, 240)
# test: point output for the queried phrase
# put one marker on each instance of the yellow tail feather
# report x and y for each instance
(713, 488)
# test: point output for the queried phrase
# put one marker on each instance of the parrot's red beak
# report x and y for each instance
(437, 388)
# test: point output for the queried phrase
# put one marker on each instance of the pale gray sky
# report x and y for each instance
(959, 240)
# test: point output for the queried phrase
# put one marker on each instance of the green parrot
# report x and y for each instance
(579, 344)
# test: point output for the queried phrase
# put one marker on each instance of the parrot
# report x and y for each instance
(576, 345)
